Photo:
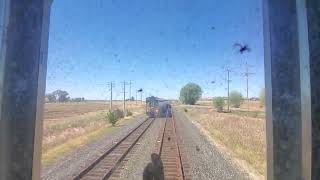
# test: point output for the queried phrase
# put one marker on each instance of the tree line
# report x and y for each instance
(191, 93)
(62, 96)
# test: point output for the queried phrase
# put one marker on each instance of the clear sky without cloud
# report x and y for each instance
(160, 45)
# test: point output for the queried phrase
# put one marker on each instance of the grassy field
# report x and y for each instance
(241, 131)
(70, 125)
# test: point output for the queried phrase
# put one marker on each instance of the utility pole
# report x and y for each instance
(228, 82)
(247, 74)
(124, 96)
(130, 83)
(141, 97)
(213, 82)
(136, 96)
(111, 85)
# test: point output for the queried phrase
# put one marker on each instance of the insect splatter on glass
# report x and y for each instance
(112, 64)
(159, 89)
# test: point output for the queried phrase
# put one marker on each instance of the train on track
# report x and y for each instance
(158, 108)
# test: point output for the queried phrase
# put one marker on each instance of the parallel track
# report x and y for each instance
(104, 166)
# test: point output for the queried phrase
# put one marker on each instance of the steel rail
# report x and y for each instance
(116, 164)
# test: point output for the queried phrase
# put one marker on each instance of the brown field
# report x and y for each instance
(242, 132)
(69, 125)
(60, 110)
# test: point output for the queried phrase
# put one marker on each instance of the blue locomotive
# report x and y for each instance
(158, 108)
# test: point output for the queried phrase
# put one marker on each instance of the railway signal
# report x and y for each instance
(140, 91)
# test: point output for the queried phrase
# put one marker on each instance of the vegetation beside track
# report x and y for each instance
(72, 124)
(241, 132)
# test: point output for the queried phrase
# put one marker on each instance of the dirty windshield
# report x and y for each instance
(155, 90)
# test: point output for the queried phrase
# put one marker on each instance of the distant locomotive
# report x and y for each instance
(158, 108)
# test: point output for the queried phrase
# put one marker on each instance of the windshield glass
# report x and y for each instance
(194, 67)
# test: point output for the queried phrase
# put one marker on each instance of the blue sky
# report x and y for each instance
(160, 45)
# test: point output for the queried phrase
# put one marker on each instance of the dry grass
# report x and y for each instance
(70, 125)
(254, 105)
(50, 154)
(252, 113)
(243, 135)
(60, 148)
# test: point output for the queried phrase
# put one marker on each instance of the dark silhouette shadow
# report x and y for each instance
(154, 169)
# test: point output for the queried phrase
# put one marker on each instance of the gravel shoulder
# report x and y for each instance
(205, 160)
(71, 163)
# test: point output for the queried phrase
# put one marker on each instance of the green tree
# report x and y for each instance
(112, 118)
(61, 96)
(118, 113)
(235, 99)
(51, 97)
(190, 93)
(77, 99)
(218, 103)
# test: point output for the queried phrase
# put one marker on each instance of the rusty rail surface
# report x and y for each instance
(169, 151)
(104, 166)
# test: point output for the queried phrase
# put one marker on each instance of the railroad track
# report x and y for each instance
(105, 166)
(169, 152)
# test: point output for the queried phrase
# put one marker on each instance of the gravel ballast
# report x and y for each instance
(73, 162)
(204, 159)
(140, 156)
